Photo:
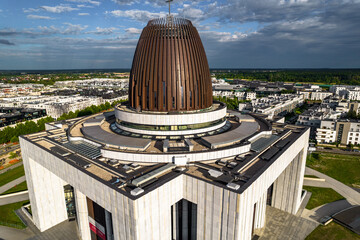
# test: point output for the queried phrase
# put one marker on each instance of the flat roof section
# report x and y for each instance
(243, 131)
(100, 135)
(349, 218)
(94, 121)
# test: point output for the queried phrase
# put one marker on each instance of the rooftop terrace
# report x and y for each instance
(80, 143)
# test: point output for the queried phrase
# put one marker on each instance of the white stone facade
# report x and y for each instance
(170, 119)
(221, 213)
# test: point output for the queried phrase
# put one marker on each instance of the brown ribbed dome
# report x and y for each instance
(170, 71)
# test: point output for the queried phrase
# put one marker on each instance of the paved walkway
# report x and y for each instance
(8, 233)
(316, 183)
(65, 230)
(347, 192)
(21, 196)
(283, 225)
(12, 184)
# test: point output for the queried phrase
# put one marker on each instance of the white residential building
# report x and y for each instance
(277, 104)
(353, 94)
(342, 131)
(250, 95)
(326, 133)
(55, 105)
(320, 95)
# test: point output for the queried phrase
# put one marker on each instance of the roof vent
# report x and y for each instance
(215, 173)
(137, 191)
(233, 186)
(180, 160)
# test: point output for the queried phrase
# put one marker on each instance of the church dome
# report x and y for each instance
(170, 71)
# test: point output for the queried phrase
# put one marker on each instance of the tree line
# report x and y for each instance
(231, 102)
(336, 76)
(93, 109)
(11, 134)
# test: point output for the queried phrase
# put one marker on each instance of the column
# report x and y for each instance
(109, 226)
(46, 193)
(260, 212)
(288, 186)
(82, 215)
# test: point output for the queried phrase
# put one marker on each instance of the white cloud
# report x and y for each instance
(29, 10)
(84, 6)
(86, 1)
(191, 13)
(224, 36)
(83, 14)
(58, 9)
(73, 29)
(133, 30)
(8, 32)
(39, 17)
(103, 31)
(124, 2)
(45, 30)
(139, 15)
(70, 29)
(1, 10)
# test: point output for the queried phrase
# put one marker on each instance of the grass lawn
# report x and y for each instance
(321, 196)
(344, 168)
(8, 216)
(332, 231)
(18, 188)
(310, 176)
(11, 175)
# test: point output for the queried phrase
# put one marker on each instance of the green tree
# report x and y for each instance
(14, 139)
(351, 114)
(350, 146)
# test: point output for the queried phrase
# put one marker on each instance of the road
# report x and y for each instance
(336, 150)
(12, 184)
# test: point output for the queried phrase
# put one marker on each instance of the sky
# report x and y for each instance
(97, 34)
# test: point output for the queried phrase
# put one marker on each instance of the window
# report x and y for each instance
(164, 94)
(190, 98)
(182, 97)
(155, 100)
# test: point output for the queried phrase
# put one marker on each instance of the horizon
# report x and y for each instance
(211, 69)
